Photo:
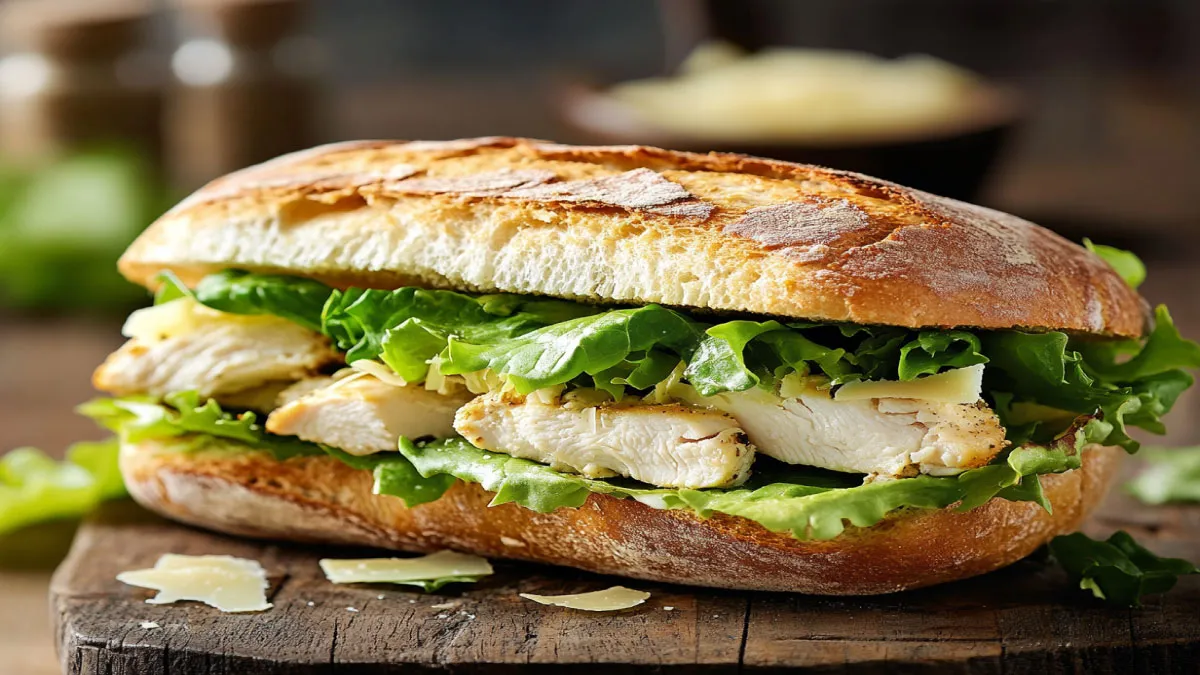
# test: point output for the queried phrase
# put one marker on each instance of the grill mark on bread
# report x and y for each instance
(311, 181)
(804, 224)
(474, 185)
(637, 189)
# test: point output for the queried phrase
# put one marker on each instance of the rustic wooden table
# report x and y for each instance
(44, 370)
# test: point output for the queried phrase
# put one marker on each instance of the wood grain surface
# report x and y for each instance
(1026, 619)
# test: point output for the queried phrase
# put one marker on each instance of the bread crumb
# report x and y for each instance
(445, 605)
(310, 603)
(379, 597)
(509, 541)
(149, 625)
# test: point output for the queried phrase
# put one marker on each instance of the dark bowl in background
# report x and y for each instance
(951, 160)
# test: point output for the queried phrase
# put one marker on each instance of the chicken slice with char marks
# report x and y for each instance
(362, 415)
(883, 437)
(183, 346)
(668, 445)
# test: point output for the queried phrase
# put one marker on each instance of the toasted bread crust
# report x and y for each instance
(638, 225)
(320, 499)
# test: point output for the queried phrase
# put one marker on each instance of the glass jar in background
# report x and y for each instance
(244, 87)
(77, 75)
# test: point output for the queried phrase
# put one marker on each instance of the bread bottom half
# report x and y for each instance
(319, 499)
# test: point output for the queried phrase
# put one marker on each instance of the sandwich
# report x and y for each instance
(713, 369)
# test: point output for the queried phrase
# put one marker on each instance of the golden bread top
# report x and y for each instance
(634, 224)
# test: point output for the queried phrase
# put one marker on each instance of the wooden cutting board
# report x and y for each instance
(1025, 619)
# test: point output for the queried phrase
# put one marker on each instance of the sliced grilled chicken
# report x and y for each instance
(666, 445)
(362, 415)
(882, 437)
(182, 346)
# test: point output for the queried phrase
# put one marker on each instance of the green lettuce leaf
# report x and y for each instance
(1171, 475)
(409, 326)
(810, 503)
(559, 353)
(1119, 570)
(293, 298)
(1132, 384)
(182, 414)
(1126, 264)
(536, 342)
(396, 476)
(35, 488)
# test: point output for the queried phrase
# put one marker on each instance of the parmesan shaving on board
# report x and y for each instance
(227, 583)
(607, 600)
(440, 565)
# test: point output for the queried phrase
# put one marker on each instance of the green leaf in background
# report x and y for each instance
(63, 226)
(1119, 570)
(1170, 475)
(137, 419)
(35, 488)
(1127, 265)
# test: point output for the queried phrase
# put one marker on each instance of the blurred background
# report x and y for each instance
(1082, 115)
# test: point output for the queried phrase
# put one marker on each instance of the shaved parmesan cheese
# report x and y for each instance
(381, 372)
(610, 599)
(438, 565)
(795, 385)
(177, 317)
(547, 395)
(961, 385)
(483, 381)
(227, 583)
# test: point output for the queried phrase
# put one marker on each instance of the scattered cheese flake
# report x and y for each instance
(379, 597)
(351, 609)
(509, 541)
(380, 371)
(444, 605)
(160, 322)
(617, 597)
(149, 625)
(227, 583)
(310, 603)
(961, 385)
(669, 608)
(435, 566)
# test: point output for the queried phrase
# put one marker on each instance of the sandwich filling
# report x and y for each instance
(799, 426)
